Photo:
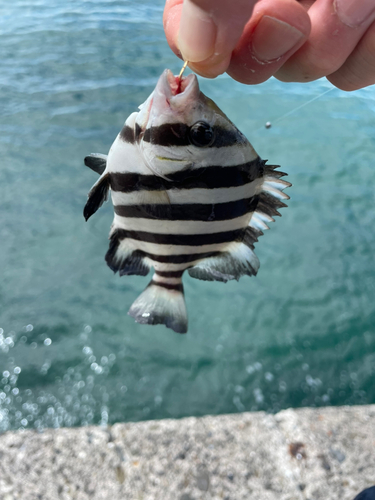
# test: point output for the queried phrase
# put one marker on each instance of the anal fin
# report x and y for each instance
(240, 260)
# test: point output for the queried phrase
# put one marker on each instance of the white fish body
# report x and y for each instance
(189, 193)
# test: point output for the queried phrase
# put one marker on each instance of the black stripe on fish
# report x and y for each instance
(138, 131)
(183, 239)
(206, 177)
(127, 134)
(169, 286)
(190, 211)
(177, 134)
(169, 274)
(178, 258)
(133, 264)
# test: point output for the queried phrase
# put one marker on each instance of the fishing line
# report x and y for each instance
(268, 125)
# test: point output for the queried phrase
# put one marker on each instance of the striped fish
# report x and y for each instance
(189, 193)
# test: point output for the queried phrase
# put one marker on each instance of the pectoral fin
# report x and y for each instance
(97, 196)
(97, 162)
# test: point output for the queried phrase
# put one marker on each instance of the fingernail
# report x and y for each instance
(273, 38)
(197, 35)
(354, 12)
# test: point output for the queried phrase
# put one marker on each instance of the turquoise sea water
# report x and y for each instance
(301, 333)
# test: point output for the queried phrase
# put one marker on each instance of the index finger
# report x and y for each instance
(205, 32)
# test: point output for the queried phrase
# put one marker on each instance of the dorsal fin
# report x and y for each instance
(97, 196)
(97, 162)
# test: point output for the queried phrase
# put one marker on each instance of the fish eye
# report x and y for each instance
(201, 134)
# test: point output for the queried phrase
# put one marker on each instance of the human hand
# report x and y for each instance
(294, 41)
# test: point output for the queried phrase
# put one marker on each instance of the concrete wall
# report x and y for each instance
(325, 453)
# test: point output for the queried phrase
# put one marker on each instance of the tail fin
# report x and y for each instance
(162, 302)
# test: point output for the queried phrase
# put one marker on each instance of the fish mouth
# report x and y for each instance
(175, 90)
(172, 96)
(178, 85)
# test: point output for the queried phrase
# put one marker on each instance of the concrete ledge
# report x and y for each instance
(325, 453)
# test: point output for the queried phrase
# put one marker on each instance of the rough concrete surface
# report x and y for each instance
(325, 453)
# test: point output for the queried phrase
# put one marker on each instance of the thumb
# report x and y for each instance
(211, 28)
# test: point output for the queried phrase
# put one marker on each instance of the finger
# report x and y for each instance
(336, 28)
(171, 22)
(206, 31)
(359, 69)
(275, 31)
